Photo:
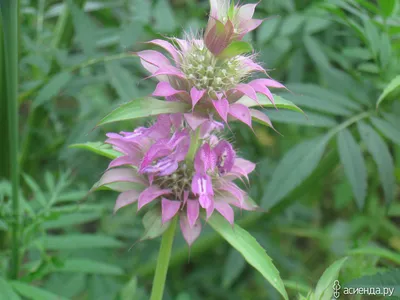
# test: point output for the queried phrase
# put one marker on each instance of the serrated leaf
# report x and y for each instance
(390, 279)
(387, 129)
(78, 241)
(382, 157)
(33, 292)
(98, 148)
(295, 166)
(52, 88)
(6, 291)
(153, 225)
(143, 107)
(250, 249)
(234, 266)
(354, 165)
(89, 266)
(235, 48)
(265, 102)
(324, 289)
(390, 88)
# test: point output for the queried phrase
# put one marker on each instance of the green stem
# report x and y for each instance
(194, 145)
(9, 11)
(164, 255)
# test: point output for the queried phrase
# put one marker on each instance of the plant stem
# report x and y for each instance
(9, 11)
(164, 255)
(194, 145)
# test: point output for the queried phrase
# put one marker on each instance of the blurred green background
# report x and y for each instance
(329, 182)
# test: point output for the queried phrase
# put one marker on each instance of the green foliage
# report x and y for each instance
(335, 167)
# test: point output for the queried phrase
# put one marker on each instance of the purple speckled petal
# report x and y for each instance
(241, 112)
(222, 107)
(121, 161)
(190, 233)
(167, 46)
(247, 90)
(258, 87)
(150, 194)
(225, 156)
(169, 209)
(246, 11)
(120, 174)
(154, 57)
(270, 83)
(205, 159)
(193, 210)
(194, 120)
(225, 210)
(234, 190)
(126, 198)
(261, 116)
(164, 89)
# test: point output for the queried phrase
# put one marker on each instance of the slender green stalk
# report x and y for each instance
(164, 255)
(194, 145)
(9, 11)
(4, 161)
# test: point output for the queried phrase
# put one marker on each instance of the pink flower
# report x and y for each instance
(153, 168)
(210, 84)
(228, 22)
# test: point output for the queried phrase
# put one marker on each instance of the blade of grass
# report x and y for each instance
(10, 16)
(4, 162)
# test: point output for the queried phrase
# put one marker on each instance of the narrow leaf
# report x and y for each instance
(121, 80)
(143, 107)
(33, 292)
(265, 102)
(98, 148)
(383, 159)
(250, 249)
(78, 241)
(6, 291)
(295, 166)
(378, 251)
(234, 266)
(90, 267)
(391, 87)
(354, 165)
(324, 289)
(52, 88)
(387, 129)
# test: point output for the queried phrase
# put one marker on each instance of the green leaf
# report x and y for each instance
(387, 7)
(235, 48)
(354, 165)
(382, 157)
(81, 265)
(6, 291)
(372, 35)
(129, 291)
(98, 148)
(153, 225)
(251, 250)
(33, 292)
(324, 289)
(315, 52)
(378, 251)
(387, 129)
(309, 119)
(164, 16)
(66, 220)
(143, 107)
(233, 267)
(291, 24)
(390, 279)
(122, 81)
(390, 88)
(267, 30)
(52, 88)
(265, 102)
(78, 241)
(295, 166)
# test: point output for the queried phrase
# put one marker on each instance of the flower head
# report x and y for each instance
(154, 164)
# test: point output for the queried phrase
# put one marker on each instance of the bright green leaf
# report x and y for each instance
(324, 289)
(378, 251)
(235, 48)
(251, 250)
(265, 102)
(387, 7)
(98, 148)
(309, 119)
(390, 88)
(383, 159)
(33, 292)
(78, 241)
(354, 165)
(143, 107)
